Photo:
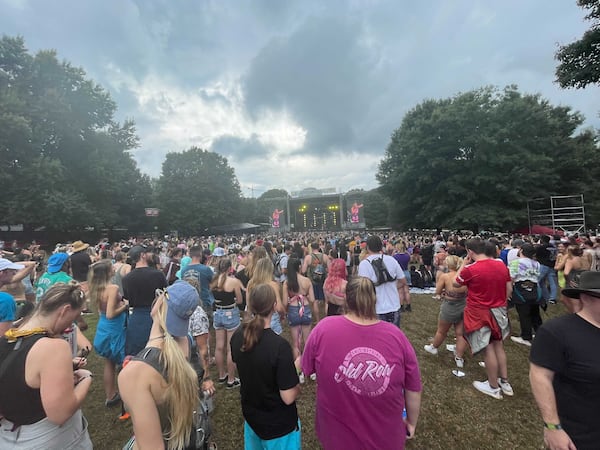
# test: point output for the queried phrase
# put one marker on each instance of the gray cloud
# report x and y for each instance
(239, 150)
(346, 72)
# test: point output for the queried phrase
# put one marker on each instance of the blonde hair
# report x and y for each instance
(181, 396)
(61, 294)
(360, 297)
(257, 254)
(262, 273)
(453, 262)
(98, 278)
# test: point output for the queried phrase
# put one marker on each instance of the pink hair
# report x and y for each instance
(337, 273)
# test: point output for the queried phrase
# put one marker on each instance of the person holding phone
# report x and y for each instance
(40, 393)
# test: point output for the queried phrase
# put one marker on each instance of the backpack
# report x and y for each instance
(317, 270)
(381, 272)
(277, 265)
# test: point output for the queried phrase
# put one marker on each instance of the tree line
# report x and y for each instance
(471, 160)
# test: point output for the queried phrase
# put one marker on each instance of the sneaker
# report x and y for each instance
(520, 340)
(402, 308)
(313, 376)
(429, 348)
(485, 388)
(408, 308)
(223, 380)
(481, 364)
(113, 401)
(301, 378)
(460, 363)
(234, 384)
(451, 347)
(552, 301)
(506, 387)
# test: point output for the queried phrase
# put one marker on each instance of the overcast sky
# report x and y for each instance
(297, 93)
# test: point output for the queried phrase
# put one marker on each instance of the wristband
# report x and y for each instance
(553, 426)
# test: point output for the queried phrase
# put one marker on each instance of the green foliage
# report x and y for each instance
(197, 190)
(579, 62)
(475, 159)
(376, 208)
(63, 159)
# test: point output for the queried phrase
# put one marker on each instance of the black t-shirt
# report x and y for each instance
(544, 255)
(427, 254)
(140, 285)
(264, 371)
(568, 345)
(80, 264)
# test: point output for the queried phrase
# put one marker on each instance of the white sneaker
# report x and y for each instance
(301, 378)
(506, 387)
(520, 340)
(451, 347)
(485, 388)
(313, 376)
(429, 348)
(481, 364)
(460, 363)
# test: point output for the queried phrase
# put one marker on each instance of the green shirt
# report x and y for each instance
(47, 280)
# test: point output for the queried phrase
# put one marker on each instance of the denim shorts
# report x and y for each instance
(391, 317)
(226, 319)
(294, 318)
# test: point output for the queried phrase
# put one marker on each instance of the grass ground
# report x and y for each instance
(453, 414)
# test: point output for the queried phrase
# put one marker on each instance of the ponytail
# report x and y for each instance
(261, 302)
(182, 388)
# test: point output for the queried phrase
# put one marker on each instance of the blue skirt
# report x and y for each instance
(109, 341)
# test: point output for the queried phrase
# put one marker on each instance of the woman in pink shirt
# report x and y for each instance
(368, 374)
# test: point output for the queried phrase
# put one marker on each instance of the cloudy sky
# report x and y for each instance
(297, 93)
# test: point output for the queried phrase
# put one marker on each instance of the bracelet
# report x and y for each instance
(553, 426)
(83, 378)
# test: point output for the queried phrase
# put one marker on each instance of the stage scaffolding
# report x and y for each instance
(559, 212)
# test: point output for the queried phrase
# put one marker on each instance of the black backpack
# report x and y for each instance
(381, 272)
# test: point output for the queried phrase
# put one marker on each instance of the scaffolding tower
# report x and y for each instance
(559, 212)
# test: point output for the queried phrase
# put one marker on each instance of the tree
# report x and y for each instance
(475, 159)
(196, 190)
(376, 208)
(64, 161)
(267, 202)
(580, 61)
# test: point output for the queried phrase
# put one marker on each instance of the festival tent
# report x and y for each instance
(539, 229)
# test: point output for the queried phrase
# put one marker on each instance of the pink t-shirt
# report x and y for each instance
(486, 280)
(362, 371)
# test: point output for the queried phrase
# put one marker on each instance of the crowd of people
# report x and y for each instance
(161, 300)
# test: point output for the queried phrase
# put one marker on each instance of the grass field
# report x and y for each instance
(453, 414)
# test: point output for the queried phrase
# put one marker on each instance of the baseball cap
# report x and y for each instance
(182, 300)
(219, 251)
(6, 264)
(136, 251)
(56, 261)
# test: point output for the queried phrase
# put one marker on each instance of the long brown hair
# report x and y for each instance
(218, 281)
(99, 277)
(261, 302)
